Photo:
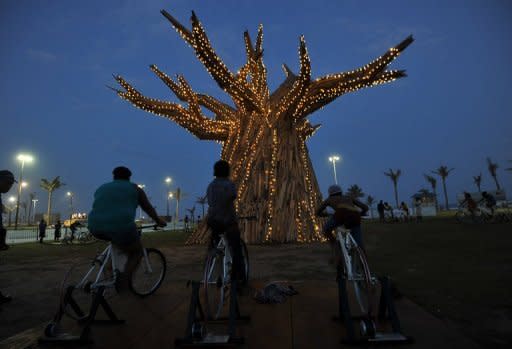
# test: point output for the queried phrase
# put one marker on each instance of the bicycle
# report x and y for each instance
(354, 268)
(217, 274)
(145, 280)
(464, 215)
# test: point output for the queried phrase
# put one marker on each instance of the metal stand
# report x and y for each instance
(196, 334)
(53, 335)
(387, 311)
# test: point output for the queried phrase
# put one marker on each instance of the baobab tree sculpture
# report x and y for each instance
(263, 136)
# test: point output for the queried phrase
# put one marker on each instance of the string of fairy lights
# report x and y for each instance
(256, 124)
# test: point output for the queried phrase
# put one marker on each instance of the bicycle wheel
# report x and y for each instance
(245, 256)
(149, 274)
(215, 283)
(361, 280)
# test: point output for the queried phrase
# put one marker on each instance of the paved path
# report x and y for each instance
(303, 321)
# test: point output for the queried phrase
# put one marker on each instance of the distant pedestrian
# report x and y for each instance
(185, 220)
(405, 210)
(380, 209)
(417, 206)
(389, 210)
(42, 230)
(56, 236)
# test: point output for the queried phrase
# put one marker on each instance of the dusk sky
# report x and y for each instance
(453, 109)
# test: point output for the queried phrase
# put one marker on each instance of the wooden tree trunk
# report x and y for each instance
(276, 183)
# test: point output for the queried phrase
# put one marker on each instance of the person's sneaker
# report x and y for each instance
(5, 298)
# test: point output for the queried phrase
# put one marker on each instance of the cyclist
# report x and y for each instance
(469, 203)
(113, 218)
(490, 201)
(347, 212)
(221, 195)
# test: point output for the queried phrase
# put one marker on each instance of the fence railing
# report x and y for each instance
(26, 235)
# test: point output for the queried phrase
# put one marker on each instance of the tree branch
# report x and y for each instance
(326, 89)
(300, 85)
(190, 119)
(221, 110)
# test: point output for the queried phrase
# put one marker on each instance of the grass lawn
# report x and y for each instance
(460, 273)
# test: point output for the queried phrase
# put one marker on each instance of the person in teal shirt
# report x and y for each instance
(112, 218)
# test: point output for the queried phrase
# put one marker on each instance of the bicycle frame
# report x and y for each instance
(347, 243)
(108, 255)
(226, 260)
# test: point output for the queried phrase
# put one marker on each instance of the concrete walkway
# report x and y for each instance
(303, 321)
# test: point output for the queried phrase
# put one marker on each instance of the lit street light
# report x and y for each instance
(22, 158)
(70, 195)
(12, 200)
(168, 181)
(34, 202)
(141, 186)
(333, 159)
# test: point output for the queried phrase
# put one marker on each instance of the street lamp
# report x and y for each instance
(70, 195)
(333, 159)
(12, 200)
(22, 158)
(141, 186)
(168, 181)
(34, 202)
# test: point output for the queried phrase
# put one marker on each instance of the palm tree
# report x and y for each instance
(202, 200)
(370, 201)
(493, 166)
(478, 181)
(433, 183)
(50, 187)
(443, 172)
(355, 192)
(394, 178)
(192, 213)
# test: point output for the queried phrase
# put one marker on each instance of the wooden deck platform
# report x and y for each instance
(303, 321)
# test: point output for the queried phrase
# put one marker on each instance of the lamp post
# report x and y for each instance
(12, 200)
(333, 159)
(70, 196)
(34, 202)
(141, 186)
(168, 181)
(169, 197)
(22, 158)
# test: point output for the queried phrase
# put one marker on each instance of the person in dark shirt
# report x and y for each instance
(6, 182)
(42, 230)
(56, 234)
(221, 195)
(380, 209)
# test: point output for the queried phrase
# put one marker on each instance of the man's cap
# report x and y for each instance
(6, 174)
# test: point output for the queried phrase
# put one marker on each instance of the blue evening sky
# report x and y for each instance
(454, 108)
